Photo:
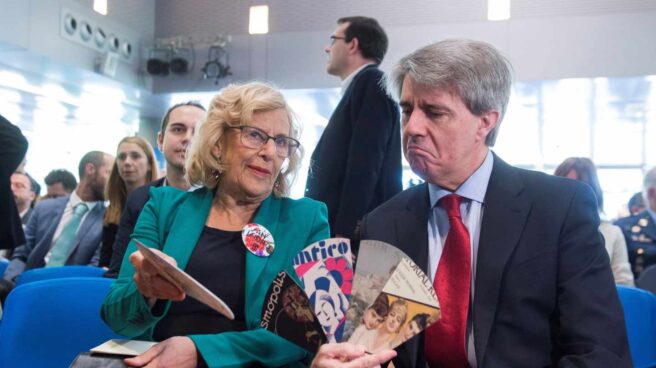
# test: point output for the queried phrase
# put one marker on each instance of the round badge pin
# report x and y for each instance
(258, 240)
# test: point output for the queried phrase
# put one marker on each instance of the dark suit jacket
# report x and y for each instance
(133, 206)
(40, 230)
(356, 165)
(544, 290)
(640, 234)
(13, 146)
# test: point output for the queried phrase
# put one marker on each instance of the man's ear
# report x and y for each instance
(354, 46)
(89, 169)
(488, 121)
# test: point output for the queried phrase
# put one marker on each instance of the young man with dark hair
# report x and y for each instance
(356, 165)
(178, 127)
(59, 183)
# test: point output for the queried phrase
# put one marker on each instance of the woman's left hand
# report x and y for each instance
(178, 351)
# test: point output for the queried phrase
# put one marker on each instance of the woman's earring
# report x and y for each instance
(216, 174)
(277, 183)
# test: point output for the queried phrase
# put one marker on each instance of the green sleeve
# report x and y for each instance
(125, 310)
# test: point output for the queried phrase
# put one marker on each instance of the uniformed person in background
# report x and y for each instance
(640, 230)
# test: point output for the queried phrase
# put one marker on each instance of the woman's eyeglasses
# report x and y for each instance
(253, 137)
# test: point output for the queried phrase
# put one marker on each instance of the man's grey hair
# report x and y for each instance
(474, 70)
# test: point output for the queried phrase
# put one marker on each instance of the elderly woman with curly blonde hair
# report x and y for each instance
(244, 157)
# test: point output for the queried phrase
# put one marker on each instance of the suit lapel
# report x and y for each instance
(190, 221)
(411, 227)
(505, 212)
(50, 227)
(91, 220)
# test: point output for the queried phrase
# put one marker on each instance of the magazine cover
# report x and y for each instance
(336, 256)
(403, 319)
(287, 313)
(327, 300)
(376, 263)
(406, 306)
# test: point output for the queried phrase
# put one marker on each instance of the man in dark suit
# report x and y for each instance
(50, 241)
(357, 163)
(178, 127)
(13, 147)
(24, 195)
(640, 229)
(518, 264)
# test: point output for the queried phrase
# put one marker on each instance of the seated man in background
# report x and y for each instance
(23, 188)
(66, 230)
(178, 126)
(640, 229)
(59, 183)
(24, 192)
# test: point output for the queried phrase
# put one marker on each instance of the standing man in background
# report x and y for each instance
(177, 130)
(357, 163)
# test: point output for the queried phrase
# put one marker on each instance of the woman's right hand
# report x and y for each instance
(150, 282)
(347, 355)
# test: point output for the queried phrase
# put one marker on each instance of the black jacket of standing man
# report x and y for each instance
(356, 165)
(13, 147)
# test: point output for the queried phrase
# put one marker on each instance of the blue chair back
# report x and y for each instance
(48, 323)
(3, 265)
(640, 317)
(38, 274)
(647, 279)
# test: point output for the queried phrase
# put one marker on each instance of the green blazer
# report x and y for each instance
(172, 221)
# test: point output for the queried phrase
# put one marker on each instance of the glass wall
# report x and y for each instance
(610, 120)
(62, 123)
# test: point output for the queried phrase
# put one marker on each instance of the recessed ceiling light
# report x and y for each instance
(258, 22)
(100, 6)
(498, 9)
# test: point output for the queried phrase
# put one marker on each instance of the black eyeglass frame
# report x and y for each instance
(335, 38)
(292, 145)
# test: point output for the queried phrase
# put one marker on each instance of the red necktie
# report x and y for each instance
(445, 340)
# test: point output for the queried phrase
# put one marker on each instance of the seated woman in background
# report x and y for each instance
(583, 169)
(245, 156)
(134, 166)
